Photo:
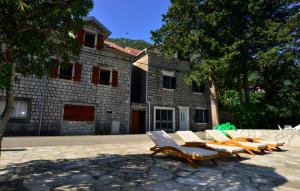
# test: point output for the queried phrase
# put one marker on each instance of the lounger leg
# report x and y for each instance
(238, 156)
(191, 162)
(278, 148)
(157, 151)
(249, 151)
(214, 161)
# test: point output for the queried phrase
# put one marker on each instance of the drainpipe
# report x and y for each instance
(129, 98)
(147, 101)
(45, 81)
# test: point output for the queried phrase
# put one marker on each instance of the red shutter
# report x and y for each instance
(95, 75)
(54, 72)
(79, 113)
(114, 82)
(100, 41)
(81, 37)
(77, 73)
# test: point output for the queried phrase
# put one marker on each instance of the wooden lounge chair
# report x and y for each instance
(222, 139)
(192, 140)
(165, 144)
(235, 135)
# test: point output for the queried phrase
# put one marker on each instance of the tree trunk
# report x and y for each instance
(9, 106)
(213, 102)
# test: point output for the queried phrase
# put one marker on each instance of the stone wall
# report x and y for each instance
(111, 103)
(181, 96)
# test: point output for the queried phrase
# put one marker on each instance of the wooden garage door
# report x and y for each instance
(79, 113)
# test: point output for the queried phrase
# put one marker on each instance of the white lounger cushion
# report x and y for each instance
(191, 137)
(224, 148)
(236, 134)
(217, 135)
(162, 139)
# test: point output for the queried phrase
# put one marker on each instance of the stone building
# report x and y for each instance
(162, 100)
(90, 96)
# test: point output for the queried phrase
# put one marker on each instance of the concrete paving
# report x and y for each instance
(128, 166)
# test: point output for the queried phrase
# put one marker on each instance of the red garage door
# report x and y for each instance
(79, 113)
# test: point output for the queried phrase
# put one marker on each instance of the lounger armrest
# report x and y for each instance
(194, 144)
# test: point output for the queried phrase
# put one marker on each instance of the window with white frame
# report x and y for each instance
(164, 119)
(201, 115)
(169, 79)
(21, 109)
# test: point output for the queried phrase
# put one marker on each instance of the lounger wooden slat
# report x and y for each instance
(222, 139)
(165, 144)
(235, 135)
(192, 140)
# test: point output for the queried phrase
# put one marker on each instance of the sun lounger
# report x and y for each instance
(192, 140)
(165, 144)
(235, 135)
(222, 139)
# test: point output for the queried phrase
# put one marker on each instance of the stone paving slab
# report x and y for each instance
(128, 167)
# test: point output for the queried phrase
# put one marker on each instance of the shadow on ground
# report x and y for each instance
(136, 172)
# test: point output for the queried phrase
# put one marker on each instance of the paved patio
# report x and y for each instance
(129, 167)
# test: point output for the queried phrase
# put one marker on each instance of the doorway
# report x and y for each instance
(138, 122)
(184, 118)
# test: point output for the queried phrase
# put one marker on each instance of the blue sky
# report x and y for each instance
(132, 19)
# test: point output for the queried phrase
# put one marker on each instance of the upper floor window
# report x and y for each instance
(169, 80)
(66, 72)
(197, 88)
(105, 77)
(69, 71)
(21, 109)
(89, 40)
(201, 115)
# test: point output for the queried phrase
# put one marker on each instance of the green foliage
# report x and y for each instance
(32, 31)
(124, 42)
(225, 126)
(249, 48)
(5, 71)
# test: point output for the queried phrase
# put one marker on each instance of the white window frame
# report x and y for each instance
(16, 108)
(203, 108)
(163, 108)
(90, 32)
(110, 76)
(73, 72)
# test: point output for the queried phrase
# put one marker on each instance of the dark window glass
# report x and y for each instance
(66, 72)
(197, 88)
(169, 82)
(201, 116)
(89, 40)
(104, 77)
(164, 120)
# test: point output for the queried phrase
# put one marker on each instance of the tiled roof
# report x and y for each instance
(132, 51)
(126, 50)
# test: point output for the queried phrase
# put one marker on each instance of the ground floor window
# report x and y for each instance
(201, 115)
(21, 109)
(164, 119)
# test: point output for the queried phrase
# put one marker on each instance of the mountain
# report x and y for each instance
(125, 42)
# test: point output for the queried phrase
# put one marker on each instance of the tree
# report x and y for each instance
(230, 41)
(30, 32)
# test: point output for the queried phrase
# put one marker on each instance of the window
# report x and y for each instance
(105, 77)
(89, 40)
(169, 81)
(66, 72)
(201, 116)
(197, 88)
(21, 109)
(164, 119)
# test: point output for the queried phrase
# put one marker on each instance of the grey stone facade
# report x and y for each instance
(46, 112)
(152, 64)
